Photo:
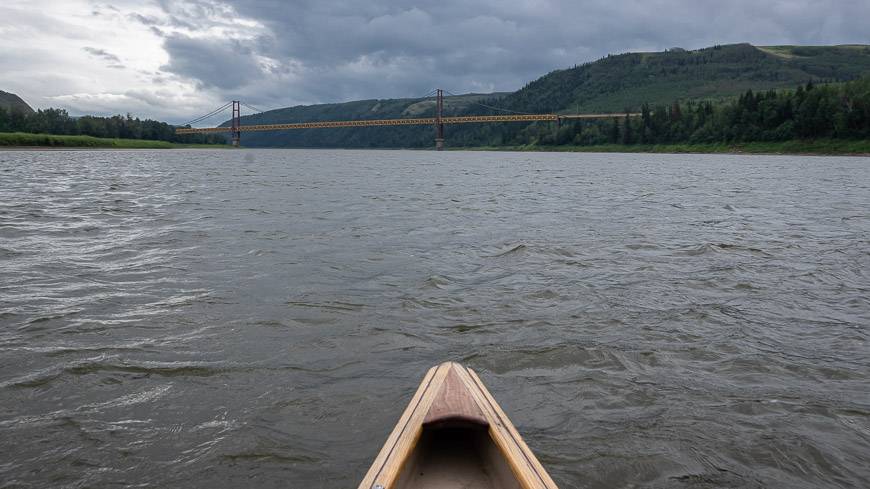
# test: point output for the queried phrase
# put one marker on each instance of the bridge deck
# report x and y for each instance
(426, 121)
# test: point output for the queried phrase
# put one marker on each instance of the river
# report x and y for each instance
(260, 318)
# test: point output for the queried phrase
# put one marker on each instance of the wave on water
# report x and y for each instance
(208, 318)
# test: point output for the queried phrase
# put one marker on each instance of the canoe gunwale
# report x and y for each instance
(505, 423)
(407, 422)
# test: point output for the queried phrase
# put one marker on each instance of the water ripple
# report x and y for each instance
(204, 319)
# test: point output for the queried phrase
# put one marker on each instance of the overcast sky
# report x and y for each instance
(174, 60)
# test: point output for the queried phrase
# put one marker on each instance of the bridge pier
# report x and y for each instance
(439, 125)
(237, 123)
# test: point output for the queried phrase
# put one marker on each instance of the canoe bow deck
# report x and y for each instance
(453, 434)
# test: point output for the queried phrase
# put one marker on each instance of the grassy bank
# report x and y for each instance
(815, 147)
(21, 139)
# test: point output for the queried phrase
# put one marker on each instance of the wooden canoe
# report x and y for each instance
(454, 435)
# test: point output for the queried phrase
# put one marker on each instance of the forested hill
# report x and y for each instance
(11, 102)
(629, 80)
(610, 84)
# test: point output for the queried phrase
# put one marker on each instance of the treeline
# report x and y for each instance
(836, 111)
(59, 122)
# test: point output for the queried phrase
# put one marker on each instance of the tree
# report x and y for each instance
(626, 131)
(614, 131)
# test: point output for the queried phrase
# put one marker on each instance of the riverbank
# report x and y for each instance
(53, 141)
(821, 147)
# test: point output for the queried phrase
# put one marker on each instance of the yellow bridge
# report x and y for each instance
(439, 120)
(426, 121)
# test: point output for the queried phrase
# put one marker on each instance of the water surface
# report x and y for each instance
(260, 318)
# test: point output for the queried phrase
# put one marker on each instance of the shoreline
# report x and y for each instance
(825, 147)
(105, 148)
(732, 153)
(819, 147)
(506, 149)
(24, 141)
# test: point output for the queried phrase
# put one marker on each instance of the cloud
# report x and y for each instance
(334, 51)
(148, 20)
(185, 57)
(102, 53)
(224, 64)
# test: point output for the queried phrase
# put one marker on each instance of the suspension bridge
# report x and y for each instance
(235, 128)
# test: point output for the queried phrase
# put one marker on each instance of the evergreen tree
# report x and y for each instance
(626, 131)
(614, 131)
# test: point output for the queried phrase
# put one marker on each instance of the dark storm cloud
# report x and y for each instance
(221, 64)
(338, 50)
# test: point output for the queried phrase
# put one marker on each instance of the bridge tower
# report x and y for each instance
(439, 126)
(237, 123)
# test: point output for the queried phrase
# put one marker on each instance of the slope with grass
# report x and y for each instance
(24, 139)
(629, 80)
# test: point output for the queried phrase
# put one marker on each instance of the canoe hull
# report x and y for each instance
(454, 434)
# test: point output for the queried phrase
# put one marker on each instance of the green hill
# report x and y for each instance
(11, 102)
(610, 84)
(628, 80)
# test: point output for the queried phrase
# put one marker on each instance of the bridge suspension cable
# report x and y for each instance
(490, 106)
(210, 114)
(252, 108)
(428, 94)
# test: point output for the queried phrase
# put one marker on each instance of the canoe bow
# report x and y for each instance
(453, 397)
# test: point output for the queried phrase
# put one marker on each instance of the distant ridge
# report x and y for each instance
(628, 80)
(610, 84)
(12, 102)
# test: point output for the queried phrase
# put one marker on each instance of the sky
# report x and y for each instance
(175, 60)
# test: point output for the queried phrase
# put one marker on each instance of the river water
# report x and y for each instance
(260, 318)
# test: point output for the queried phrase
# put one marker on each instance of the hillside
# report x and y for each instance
(610, 84)
(628, 80)
(12, 102)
